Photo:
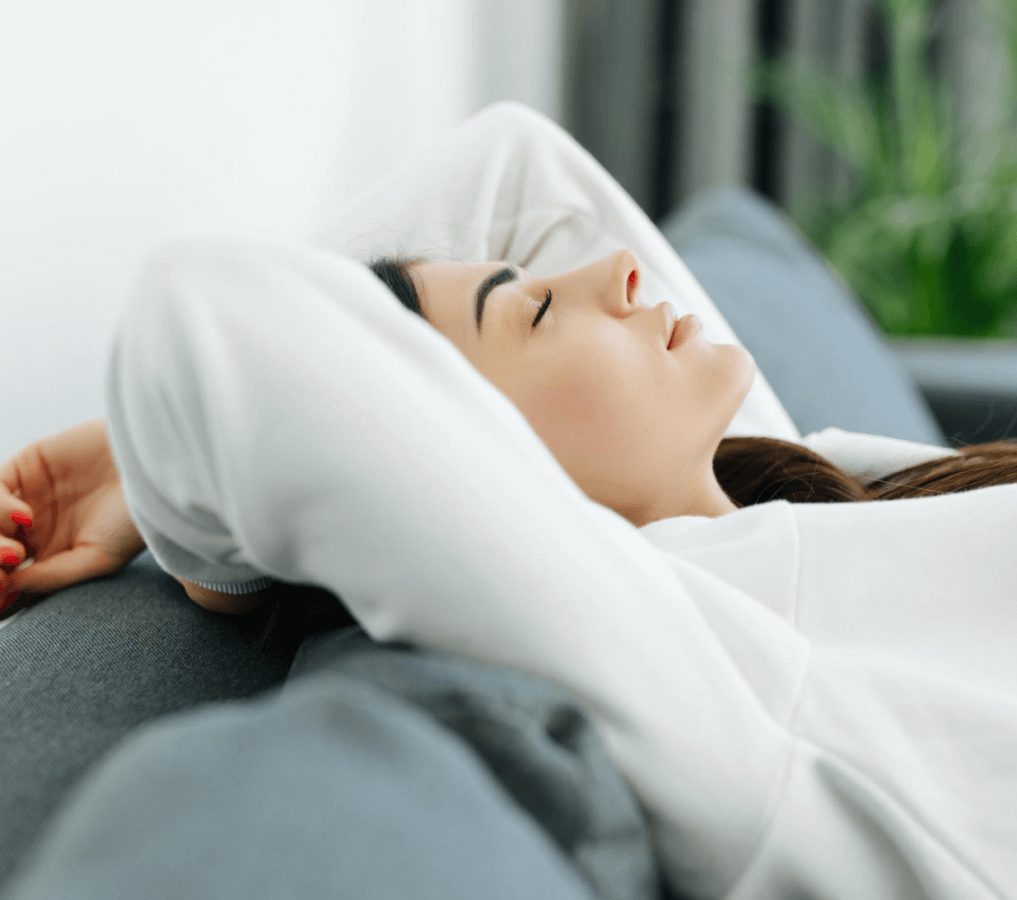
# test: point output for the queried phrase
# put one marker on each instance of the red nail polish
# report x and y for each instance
(9, 558)
(632, 277)
(20, 518)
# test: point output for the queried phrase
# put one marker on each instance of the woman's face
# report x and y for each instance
(634, 424)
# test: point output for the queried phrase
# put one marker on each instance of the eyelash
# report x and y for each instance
(543, 308)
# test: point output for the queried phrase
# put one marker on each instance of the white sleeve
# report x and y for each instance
(871, 456)
(274, 412)
(510, 184)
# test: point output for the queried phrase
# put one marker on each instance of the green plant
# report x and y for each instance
(926, 250)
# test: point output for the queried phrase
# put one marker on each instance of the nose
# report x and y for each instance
(622, 280)
(629, 263)
(613, 282)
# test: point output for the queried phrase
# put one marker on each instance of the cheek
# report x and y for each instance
(580, 409)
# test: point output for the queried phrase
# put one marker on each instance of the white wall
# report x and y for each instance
(125, 123)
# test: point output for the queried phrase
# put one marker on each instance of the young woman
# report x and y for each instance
(807, 697)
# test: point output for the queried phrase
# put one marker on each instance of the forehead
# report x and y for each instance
(442, 277)
(446, 291)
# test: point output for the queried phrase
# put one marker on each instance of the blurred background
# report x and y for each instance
(883, 128)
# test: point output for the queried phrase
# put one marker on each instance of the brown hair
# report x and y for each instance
(755, 469)
(750, 470)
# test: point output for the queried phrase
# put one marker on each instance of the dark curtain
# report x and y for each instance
(645, 94)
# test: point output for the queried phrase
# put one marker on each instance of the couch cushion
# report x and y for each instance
(816, 344)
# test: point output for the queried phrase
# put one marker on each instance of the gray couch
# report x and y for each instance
(153, 749)
(970, 385)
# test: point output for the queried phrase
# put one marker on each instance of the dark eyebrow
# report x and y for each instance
(502, 276)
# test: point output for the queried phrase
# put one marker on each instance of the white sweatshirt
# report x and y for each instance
(807, 699)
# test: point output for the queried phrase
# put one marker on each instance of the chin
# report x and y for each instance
(743, 367)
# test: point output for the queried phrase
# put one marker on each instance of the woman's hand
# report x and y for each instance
(69, 488)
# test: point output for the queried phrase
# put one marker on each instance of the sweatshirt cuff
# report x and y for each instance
(235, 587)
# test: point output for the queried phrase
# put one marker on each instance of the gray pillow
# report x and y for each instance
(816, 344)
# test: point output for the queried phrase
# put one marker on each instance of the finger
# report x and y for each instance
(62, 570)
(9, 575)
(10, 521)
(11, 485)
(11, 477)
(12, 554)
(8, 592)
(14, 514)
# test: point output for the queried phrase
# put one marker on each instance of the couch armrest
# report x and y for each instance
(969, 383)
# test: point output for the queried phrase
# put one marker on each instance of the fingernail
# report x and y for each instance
(9, 558)
(21, 518)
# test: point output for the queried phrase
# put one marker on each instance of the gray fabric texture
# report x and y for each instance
(816, 344)
(333, 790)
(121, 763)
(534, 737)
(84, 667)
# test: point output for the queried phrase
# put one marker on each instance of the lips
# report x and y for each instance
(674, 335)
(683, 329)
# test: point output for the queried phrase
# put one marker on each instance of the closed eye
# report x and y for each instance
(543, 308)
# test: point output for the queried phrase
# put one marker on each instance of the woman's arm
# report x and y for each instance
(275, 413)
